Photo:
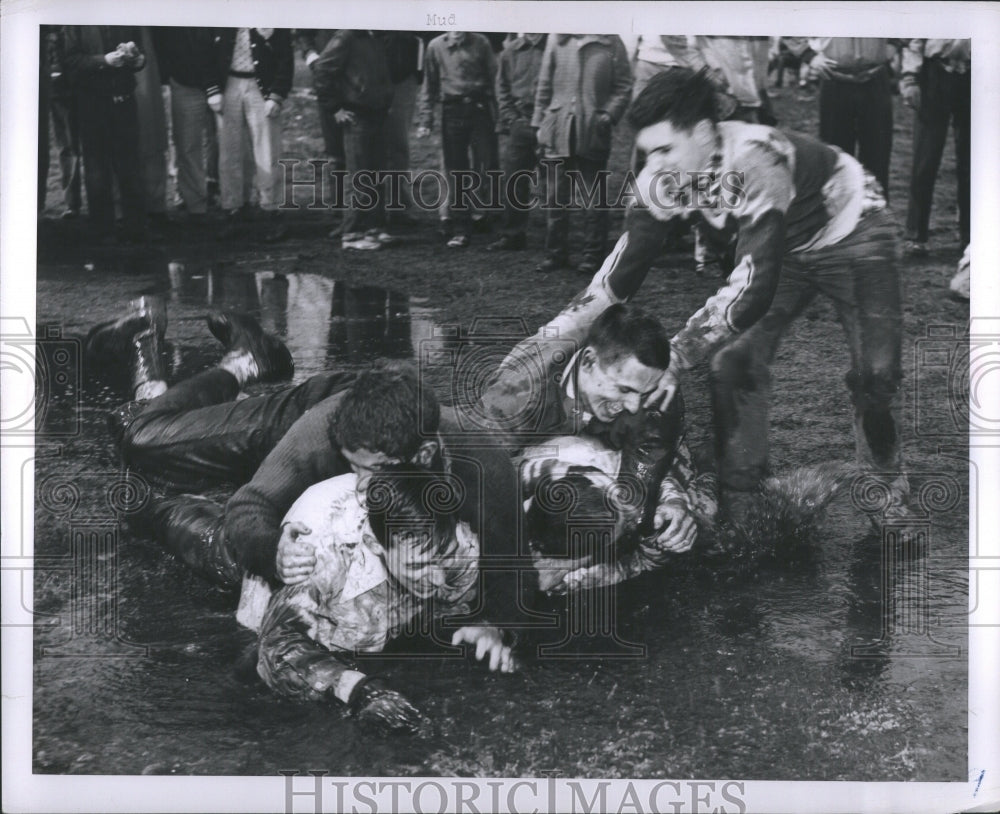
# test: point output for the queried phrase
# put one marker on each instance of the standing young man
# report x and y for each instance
(807, 219)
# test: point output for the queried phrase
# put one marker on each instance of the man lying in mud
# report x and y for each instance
(803, 218)
(281, 443)
(390, 551)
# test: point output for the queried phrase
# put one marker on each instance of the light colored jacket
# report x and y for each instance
(583, 89)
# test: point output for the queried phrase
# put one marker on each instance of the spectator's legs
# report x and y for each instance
(67, 133)
(874, 117)
(95, 113)
(930, 131)
(400, 118)
(364, 148)
(596, 216)
(519, 154)
(127, 167)
(265, 139)
(557, 203)
(44, 91)
(961, 111)
(485, 150)
(231, 159)
(838, 114)
(190, 116)
(456, 128)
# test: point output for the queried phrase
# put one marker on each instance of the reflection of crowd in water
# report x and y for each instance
(368, 509)
(110, 95)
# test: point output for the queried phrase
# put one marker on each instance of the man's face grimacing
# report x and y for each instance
(672, 154)
(364, 462)
(607, 389)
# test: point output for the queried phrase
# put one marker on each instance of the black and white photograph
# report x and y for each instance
(431, 417)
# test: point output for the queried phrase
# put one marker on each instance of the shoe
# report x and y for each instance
(959, 287)
(508, 243)
(915, 248)
(252, 354)
(589, 266)
(70, 214)
(111, 341)
(553, 263)
(149, 377)
(382, 237)
(458, 242)
(359, 243)
(481, 225)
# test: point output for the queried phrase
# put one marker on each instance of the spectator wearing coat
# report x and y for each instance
(583, 90)
(517, 80)
(253, 70)
(103, 76)
(65, 128)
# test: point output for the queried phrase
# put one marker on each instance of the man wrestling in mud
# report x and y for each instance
(804, 218)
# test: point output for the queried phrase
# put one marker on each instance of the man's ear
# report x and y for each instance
(425, 454)
(588, 358)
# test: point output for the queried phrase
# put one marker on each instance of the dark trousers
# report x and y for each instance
(857, 118)
(44, 94)
(195, 432)
(365, 148)
(558, 200)
(946, 98)
(333, 139)
(859, 274)
(109, 135)
(520, 154)
(468, 142)
(66, 130)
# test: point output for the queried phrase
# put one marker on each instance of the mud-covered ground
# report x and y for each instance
(844, 664)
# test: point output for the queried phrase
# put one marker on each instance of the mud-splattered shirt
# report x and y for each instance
(775, 193)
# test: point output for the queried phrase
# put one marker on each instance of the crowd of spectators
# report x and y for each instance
(124, 102)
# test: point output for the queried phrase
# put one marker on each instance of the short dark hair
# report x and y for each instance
(405, 497)
(569, 517)
(386, 410)
(680, 96)
(624, 330)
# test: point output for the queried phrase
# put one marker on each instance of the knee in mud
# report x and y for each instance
(734, 367)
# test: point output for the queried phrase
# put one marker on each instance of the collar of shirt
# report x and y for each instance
(456, 39)
(583, 39)
(567, 385)
(524, 41)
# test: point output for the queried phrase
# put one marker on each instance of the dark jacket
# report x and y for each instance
(517, 79)
(274, 62)
(580, 78)
(86, 46)
(185, 55)
(353, 73)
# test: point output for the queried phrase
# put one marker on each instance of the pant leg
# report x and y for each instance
(485, 149)
(519, 154)
(231, 160)
(189, 115)
(211, 145)
(67, 134)
(557, 203)
(962, 117)
(44, 91)
(399, 121)
(930, 131)
(196, 432)
(127, 165)
(596, 216)
(265, 140)
(333, 138)
(455, 142)
(95, 140)
(875, 128)
(861, 277)
(740, 381)
(838, 124)
(364, 149)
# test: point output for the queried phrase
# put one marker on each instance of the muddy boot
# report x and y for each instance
(112, 340)
(252, 355)
(149, 378)
(191, 528)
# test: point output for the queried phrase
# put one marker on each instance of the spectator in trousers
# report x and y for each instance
(101, 61)
(253, 75)
(459, 71)
(855, 98)
(937, 84)
(311, 42)
(185, 55)
(583, 90)
(741, 63)
(517, 80)
(65, 128)
(153, 142)
(404, 51)
(353, 85)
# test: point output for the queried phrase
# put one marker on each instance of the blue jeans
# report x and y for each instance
(467, 127)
